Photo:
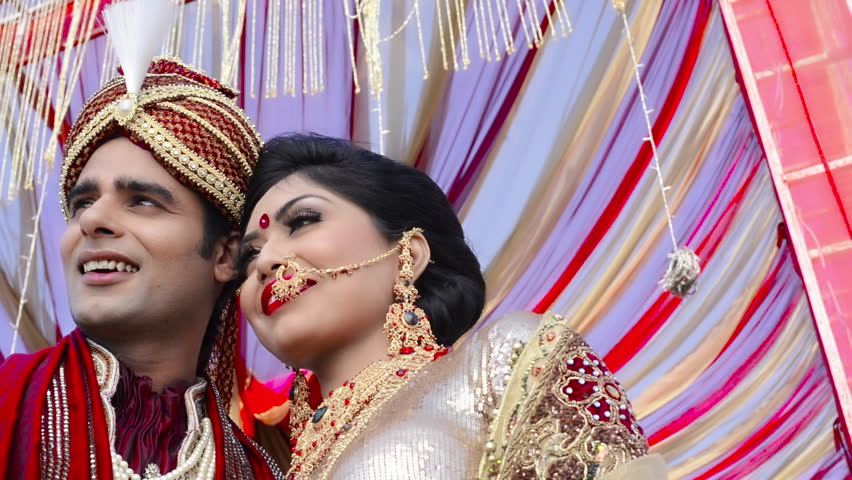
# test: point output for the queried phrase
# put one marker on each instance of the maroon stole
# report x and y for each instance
(52, 422)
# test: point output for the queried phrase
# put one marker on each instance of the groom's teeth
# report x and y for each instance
(108, 265)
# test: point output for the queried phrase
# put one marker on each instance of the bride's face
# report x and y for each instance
(319, 229)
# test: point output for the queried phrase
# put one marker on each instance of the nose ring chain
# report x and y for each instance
(291, 278)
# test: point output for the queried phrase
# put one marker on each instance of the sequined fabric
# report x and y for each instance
(437, 427)
(563, 415)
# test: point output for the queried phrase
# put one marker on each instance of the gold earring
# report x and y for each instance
(300, 409)
(407, 325)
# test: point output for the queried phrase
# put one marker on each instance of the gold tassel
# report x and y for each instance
(80, 28)
(270, 89)
(253, 50)
(231, 37)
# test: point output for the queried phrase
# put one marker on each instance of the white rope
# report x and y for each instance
(650, 137)
(684, 264)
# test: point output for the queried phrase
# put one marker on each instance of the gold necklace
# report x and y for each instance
(319, 437)
(347, 410)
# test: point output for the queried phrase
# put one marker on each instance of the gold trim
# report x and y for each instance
(159, 95)
(539, 429)
(234, 150)
(161, 141)
(242, 122)
(107, 374)
(189, 163)
(322, 443)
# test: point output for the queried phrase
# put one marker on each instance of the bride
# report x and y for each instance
(356, 268)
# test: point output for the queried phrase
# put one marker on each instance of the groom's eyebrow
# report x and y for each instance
(83, 187)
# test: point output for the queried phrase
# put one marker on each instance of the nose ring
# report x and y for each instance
(287, 287)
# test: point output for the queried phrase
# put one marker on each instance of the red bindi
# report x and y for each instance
(264, 221)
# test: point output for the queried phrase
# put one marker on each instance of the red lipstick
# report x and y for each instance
(269, 303)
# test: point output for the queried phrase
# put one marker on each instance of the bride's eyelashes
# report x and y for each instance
(301, 218)
(293, 221)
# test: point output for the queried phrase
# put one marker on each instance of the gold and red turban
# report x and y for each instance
(187, 120)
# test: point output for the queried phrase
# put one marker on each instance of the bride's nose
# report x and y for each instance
(268, 261)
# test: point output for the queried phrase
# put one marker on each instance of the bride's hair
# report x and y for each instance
(398, 198)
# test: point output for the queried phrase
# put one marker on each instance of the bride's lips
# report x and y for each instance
(269, 303)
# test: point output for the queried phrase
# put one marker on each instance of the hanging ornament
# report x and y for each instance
(684, 266)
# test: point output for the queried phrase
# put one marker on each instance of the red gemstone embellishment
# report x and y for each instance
(346, 402)
(264, 221)
(428, 348)
(406, 351)
(400, 373)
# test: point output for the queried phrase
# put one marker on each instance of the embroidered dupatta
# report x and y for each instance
(52, 422)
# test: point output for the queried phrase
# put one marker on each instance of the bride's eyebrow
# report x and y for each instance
(282, 212)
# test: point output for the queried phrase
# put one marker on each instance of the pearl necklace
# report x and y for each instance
(202, 460)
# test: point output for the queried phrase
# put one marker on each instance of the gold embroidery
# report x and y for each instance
(106, 371)
(188, 163)
(212, 179)
(235, 152)
(563, 415)
(241, 125)
(349, 409)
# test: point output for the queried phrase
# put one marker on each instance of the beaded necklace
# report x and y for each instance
(201, 464)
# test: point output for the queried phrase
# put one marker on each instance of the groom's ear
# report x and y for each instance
(225, 257)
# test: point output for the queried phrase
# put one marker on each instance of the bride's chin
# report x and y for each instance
(293, 351)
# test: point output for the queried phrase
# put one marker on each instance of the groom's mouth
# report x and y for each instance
(269, 303)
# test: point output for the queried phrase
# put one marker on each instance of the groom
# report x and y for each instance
(153, 197)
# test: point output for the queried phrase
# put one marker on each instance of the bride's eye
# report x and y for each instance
(302, 218)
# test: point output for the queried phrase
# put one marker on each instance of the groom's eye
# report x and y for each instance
(246, 256)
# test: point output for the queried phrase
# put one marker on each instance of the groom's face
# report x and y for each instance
(131, 249)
